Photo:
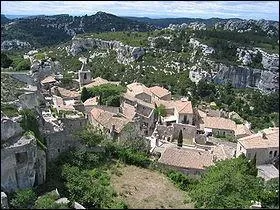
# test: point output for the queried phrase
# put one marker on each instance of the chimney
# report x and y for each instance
(264, 135)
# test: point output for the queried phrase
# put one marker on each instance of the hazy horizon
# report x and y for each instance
(151, 9)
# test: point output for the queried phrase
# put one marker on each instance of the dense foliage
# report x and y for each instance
(5, 60)
(229, 184)
(108, 94)
(23, 199)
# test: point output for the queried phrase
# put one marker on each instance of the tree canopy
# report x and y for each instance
(229, 184)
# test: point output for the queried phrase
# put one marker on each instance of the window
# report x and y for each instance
(58, 150)
(249, 155)
(85, 76)
(275, 153)
(224, 133)
(240, 148)
(21, 157)
(270, 154)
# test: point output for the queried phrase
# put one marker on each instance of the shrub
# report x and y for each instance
(23, 199)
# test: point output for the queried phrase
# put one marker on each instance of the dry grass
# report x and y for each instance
(143, 188)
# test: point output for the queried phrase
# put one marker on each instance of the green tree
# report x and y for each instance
(24, 65)
(270, 195)
(227, 184)
(5, 60)
(23, 199)
(109, 94)
(85, 94)
(180, 139)
(160, 111)
(91, 136)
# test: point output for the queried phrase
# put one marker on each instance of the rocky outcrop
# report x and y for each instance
(125, 53)
(206, 50)
(9, 128)
(192, 25)
(242, 77)
(270, 27)
(14, 44)
(4, 201)
(22, 164)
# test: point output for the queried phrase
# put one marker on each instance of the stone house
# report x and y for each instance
(111, 123)
(171, 132)
(179, 111)
(265, 145)
(90, 103)
(160, 93)
(144, 111)
(48, 82)
(139, 91)
(220, 126)
(65, 94)
(187, 160)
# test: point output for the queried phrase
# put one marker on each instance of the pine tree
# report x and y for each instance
(180, 139)
(85, 94)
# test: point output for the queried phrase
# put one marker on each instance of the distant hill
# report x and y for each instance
(4, 19)
(165, 22)
(48, 30)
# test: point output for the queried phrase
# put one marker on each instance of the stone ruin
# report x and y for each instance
(23, 163)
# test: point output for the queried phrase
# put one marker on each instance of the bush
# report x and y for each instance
(133, 157)
(47, 201)
(181, 180)
(23, 199)
(24, 65)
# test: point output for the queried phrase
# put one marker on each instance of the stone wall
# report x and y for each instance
(61, 141)
(172, 132)
(21, 163)
(9, 128)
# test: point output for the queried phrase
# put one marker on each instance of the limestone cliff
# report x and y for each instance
(125, 53)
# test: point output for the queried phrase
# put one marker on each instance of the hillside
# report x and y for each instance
(49, 30)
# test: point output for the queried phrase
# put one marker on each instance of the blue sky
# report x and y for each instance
(154, 9)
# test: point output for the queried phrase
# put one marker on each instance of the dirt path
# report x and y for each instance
(143, 188)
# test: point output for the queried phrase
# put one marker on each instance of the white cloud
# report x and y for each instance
(199, 9)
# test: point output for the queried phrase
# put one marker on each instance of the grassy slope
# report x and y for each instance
(143, 188)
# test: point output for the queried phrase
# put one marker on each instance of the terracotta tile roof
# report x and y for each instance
(91, 101)
(257, 141)
(48, 79)
(159, 91)
(99, 81)
(182, 107)
(67, 93)
(128, 110)
(108, 119)
(242, 130)
(186, 158)
(137, 88)
(219, 123)
(130, 97)
(60, 105)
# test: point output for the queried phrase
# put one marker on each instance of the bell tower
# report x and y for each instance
(84, 76)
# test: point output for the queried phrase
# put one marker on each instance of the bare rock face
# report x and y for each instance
(9, 128)
(242, 77)
(4, 201)
(125, 53)
(270, 27)
(14, 44)
(20, 163)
